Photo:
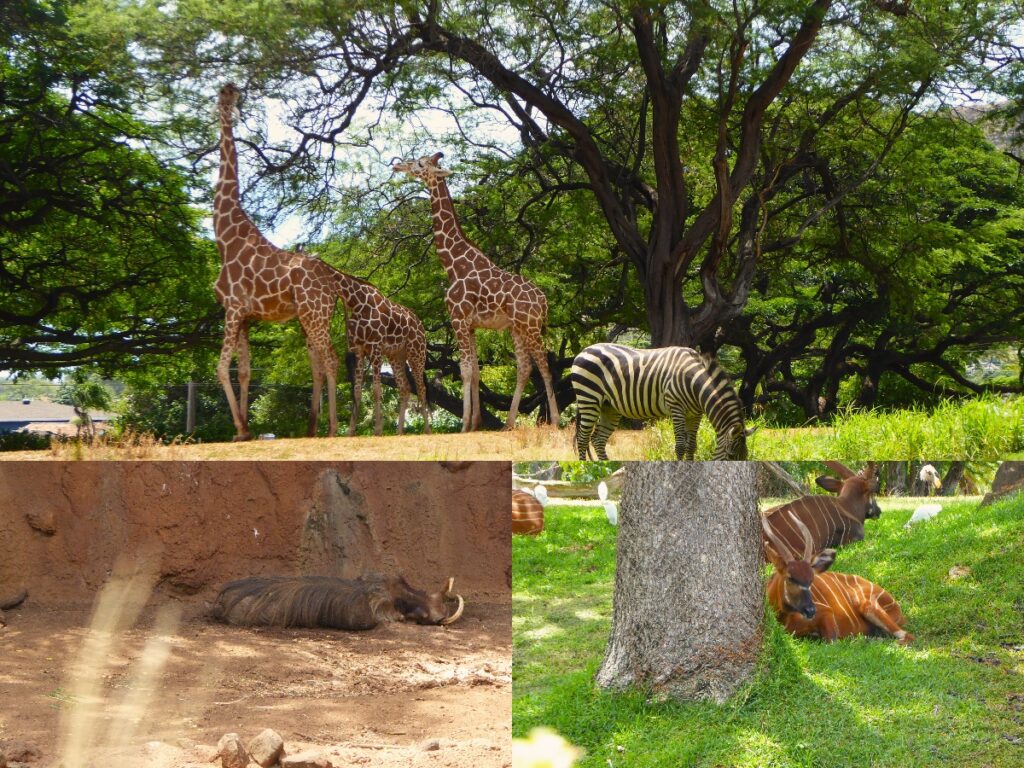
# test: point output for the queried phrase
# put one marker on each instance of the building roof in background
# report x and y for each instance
(43, 410)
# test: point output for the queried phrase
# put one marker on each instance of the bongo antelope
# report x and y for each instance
(809, 600)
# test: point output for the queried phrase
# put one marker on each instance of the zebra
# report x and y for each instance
(611, 381)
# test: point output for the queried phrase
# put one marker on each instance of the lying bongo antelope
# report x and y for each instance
(832, 520)
(527, 513)
(808, 600)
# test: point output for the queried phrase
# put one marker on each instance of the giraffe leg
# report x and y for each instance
(540, 357)
(467, 364)
(232, 325)
(331, 372)
(317, 368)
(402, 380)
(378, 417)
(357, 393)
(523, 367)
(244, 374)
(421, 392)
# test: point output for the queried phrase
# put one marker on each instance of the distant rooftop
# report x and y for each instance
(41, 411)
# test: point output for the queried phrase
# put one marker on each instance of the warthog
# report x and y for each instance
(334, 603)
(13, 602)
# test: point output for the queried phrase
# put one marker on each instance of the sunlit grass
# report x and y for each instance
(954, 697)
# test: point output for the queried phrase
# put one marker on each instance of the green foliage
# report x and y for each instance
(978, 429)
(85, 390)
(587, 471)
(950, 698)
(102, 260)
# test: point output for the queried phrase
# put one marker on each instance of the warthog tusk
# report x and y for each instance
(450, 586)
(458, 612)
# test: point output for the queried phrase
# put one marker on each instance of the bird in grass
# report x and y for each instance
(922, 513)
(611, 509)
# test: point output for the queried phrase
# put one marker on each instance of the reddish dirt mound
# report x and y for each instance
(63, 525)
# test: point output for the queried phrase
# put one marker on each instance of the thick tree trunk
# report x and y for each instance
(951, 482)
(894, 478)
(689, 599)
(666, 310)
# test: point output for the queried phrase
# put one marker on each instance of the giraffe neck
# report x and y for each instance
(457, 252)
(226, 197)
(352, 291)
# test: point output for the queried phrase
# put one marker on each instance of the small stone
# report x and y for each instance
(430, 745)
(267, 748)
(959, 572)
(308, 759)
(231, 752)
(42, 521)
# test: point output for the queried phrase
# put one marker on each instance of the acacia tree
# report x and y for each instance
(668, 114)
(689, 600)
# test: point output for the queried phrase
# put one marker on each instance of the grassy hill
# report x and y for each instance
(954, 697)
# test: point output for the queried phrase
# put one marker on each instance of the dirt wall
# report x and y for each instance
(63, 525)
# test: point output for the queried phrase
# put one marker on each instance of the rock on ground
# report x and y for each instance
(231, 752)
(311, 758)
(267, 748)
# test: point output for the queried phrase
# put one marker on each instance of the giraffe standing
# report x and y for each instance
(379, 328)
(259, 281)
(482, 295)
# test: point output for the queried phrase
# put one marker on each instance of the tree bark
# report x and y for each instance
(689, 599)
(951, 482)
(894, 478)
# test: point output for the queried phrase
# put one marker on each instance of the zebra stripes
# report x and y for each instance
(612, 381)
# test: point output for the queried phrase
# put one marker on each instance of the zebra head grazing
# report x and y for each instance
(725, 412)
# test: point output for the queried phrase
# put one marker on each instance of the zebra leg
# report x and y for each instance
(685, 425)
(605, 426)
(587, 415)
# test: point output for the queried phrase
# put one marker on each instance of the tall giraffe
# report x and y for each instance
(482, 295)
(259, 281)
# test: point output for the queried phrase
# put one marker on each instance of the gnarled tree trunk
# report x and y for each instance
(689, 599)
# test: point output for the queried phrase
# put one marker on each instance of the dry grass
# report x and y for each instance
(525, 443)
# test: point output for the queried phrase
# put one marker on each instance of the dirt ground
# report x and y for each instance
(527, 443)
(523, 444)
(398, 695)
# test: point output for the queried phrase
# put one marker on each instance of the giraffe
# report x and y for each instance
(379, 328)
(482, 295)
(259, 281)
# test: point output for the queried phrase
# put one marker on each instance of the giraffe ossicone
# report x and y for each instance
(482, 295)
(259, 281)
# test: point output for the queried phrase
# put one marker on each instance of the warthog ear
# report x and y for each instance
(824, 560)
(830, 484)
(751, 431)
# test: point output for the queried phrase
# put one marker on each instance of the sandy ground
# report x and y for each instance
(398, 695)
(527, 443)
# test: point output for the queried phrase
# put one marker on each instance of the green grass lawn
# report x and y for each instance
(980, 429)
(955, 697)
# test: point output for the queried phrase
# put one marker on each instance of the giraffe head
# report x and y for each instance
(423, 168)
(228, 99)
